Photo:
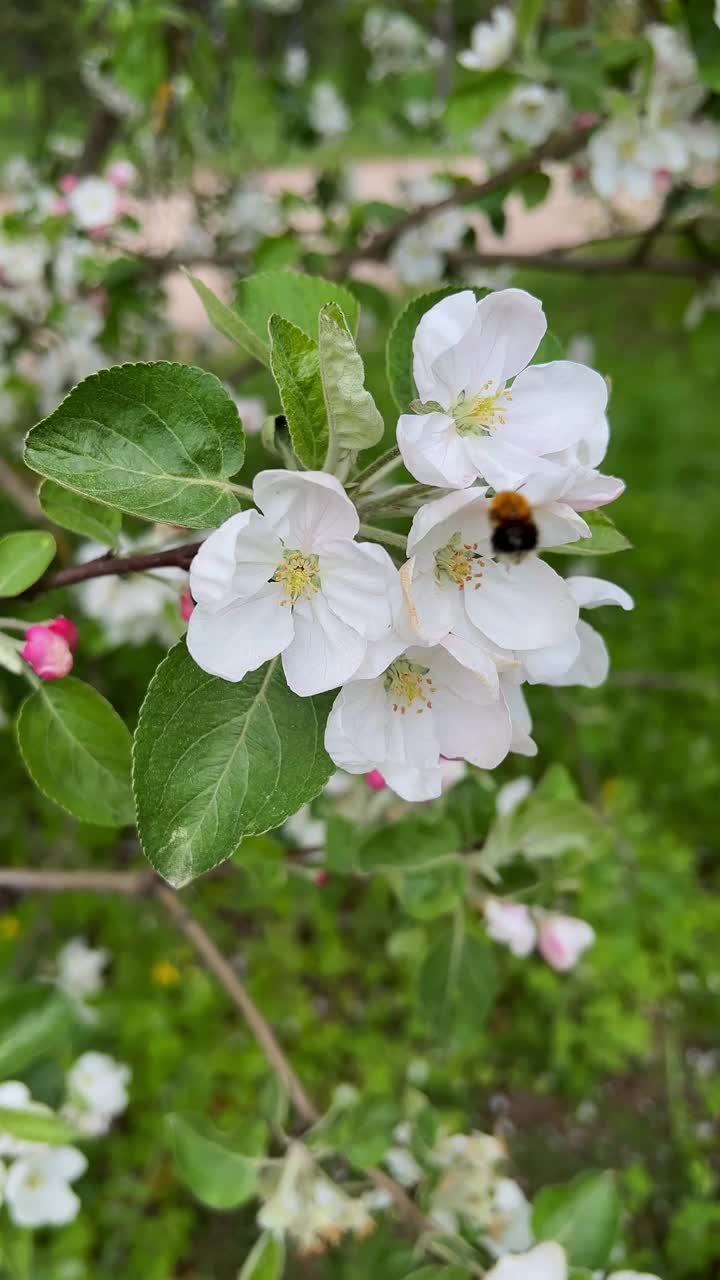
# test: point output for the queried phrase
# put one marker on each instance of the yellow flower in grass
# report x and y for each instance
(165, 974)
(9, 928)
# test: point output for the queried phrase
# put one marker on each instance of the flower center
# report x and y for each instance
(298, 575)
(481, 414)
(409, 682)
(459, 561)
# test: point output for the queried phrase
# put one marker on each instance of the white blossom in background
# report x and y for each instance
(396, 42)
(136, 608)
(327, 113)
(291, 581)
(509, 1229)
(295, 64)
(531, 113)
(465, 1193)
(562, 940)
(38, 1190)
(252, 411)
(510, 796)
(307, 832)
(418, 256)
(421, 112)
(80, 970)
(93, 203)
(97, 1092)
(703, 300)
(629, 158)
(490, 42)
(510, 924)
(402, 1166)
(249, 217)
(548, 1261)
(303, 1203)
(464, 355)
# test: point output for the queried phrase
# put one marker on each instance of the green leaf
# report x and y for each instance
(362, 1133)
(604, 540)
(533, 189)
(297, 298)
(209, 1162)
(410, 842)
(705, 39)
(477, 97)
(227, 321)
(80, 515)
(399, 357)
(435, 891)
(582, 1215)
(550, 348)
(353, 419)
(440, 1273)
(35, 1020)
(266, 1260)
(295, 364)
(214, 762)
(24, 557)
(36, 1126)
(527, 20)
(158, 440)
(10, 656)
(77, 751)
(458, 978)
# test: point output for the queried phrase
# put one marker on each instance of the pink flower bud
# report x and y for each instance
(68, 183)
(663, 180)
(62, 626)
(321, 878)
(586, 120)
(48, 653)
(187, 604)
(58, 206)
(375, 780)
(121, 173)
(510, 924)
(97, 233)
(562, 940)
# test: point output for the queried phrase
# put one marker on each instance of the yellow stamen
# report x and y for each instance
(298, 574)
(481, 414)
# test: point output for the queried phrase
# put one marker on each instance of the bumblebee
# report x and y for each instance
(514, 530)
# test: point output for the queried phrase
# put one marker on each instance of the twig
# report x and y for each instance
(554, 261)
(105, 566)
(25, 880)
(379, 244)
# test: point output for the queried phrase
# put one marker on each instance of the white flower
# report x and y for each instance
(511, 795)
(415, 260)
(458, 592)
(22, 261)
(306, 1205)
(583, 659)
(291, 581)
(451, 772)
(251, 215)
(134, 609)
(629, 157)
(490, 42)
(510, 924)
(295, 65)
(532, 112)
(465, 1194)
(509, 1230)
(464, 354)
(563, 939)
(544, 1262)
(80, 968)
(97, 1089)
(16, 1097)
(422, 706)
(308, 832)
(252, 410)
(716, 13)
(327, 112)
(38, 1191)
(397, 43)
(93, 202)
(403, 1166)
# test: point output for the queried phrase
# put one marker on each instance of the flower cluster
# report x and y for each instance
(431, 657)
(36, 1178)
(302, 1202)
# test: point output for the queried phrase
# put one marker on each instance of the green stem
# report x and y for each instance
(377, 467)
(241, 490)
(15, 624)
(398, 540)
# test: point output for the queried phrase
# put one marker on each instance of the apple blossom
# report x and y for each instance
(327, 113)
(511, 795)
(80, 969)
(38, 1191)
(422, 706)
(465, 1193)
(122, 173)
(510, 1229)
(511, 924)
(186, 606)
(47, 651)
(531, 113)
(136, 608)
(582, 659)
(563, 939)
(545, 1262)
(304, 1204)
(490, 42)
(471, 422)
(627, 154)
(97, 1092)
(291, 581)
(456, 587)
(93, 203)
(375, 780)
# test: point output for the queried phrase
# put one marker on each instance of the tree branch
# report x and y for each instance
(105, 566)
(680, 268)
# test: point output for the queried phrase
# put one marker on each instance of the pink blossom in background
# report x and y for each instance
(187, 604)
(48, 650)
(62, 626)
(510, 924)
(68, 183)
(563, 939)
(121, 173)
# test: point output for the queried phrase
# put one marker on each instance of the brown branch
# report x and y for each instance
(104, 566)
(681, 268)
(380, 244)
(147, 883)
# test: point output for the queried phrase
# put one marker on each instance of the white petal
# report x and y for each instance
(235, 560)
(439, 329)
(414, 784)
(557, 524)
(356, 582)
(507, 329)
(545, 666)
(592, 664)
(591, 593)
(433, 452)
(505, 466)
(553, 406)
(470, 722)
(433, 607)
(306, 508)
(544, 1262)
(230, 642)
(65, 1162)
(325, 651)
(521, 606)
(591, 489)
(521, 743)
(355, 735)
(436, 513)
